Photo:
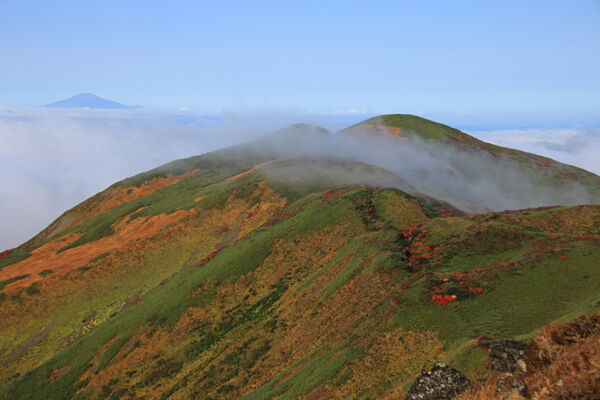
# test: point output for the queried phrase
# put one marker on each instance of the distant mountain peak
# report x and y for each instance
(89, 100)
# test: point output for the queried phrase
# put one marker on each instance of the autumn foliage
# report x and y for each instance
(563, 362)
(417, 249)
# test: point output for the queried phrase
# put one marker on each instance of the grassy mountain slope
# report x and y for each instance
(522, 176)
(248, 274)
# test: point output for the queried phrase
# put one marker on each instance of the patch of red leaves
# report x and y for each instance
(466, 279)
(209, 257)
(475, 290)
(417, 249)
(4, 253)
(442, 299)
(277, 218)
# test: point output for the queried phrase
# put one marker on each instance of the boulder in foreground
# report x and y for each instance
(437, 381)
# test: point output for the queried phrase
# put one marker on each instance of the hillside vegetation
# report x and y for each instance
(259, 273)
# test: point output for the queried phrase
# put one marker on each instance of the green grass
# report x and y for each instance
(33, 289)
(516, 303)
(179, 196)
(6, 282)
(247, 315)
(108, 355)
(100, 257)
(412, 124)
(322, 369)
(296, 179)
(348, 272)
(347, 249)
(171, 300)
(225, 163)
(16, 255)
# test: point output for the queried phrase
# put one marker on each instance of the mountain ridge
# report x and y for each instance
(263, 271)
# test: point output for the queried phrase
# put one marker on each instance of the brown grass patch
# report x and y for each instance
(107, 200)
(251, 170)
(128, 235)
(379, 129)
(563, 362)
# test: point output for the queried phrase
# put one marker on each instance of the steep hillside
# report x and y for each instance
(281, 269)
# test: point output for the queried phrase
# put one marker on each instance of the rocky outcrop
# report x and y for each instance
(437, 381)
(506, 356)
(511, 387)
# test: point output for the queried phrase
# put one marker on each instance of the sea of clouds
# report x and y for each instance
(52, 159)
(575, 146)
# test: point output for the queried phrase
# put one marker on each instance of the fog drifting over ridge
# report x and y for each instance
(471, 180)
(50, 160)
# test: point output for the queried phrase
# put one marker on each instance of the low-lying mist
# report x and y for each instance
(473, 181)
(52, 159)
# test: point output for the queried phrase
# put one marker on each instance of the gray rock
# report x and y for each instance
(511, 387)
(505, 354)
(437, 381)
(521, 365)
(500, 385)
(519, 387)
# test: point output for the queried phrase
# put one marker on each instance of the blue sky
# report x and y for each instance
(523, 74)
(429, 56)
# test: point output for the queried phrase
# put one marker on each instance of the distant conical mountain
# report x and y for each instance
(311, 265)
(88, 100)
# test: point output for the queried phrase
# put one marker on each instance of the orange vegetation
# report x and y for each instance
(128, 234)
(581, 220)
(251, 170)
(106, 200)
(373, 128)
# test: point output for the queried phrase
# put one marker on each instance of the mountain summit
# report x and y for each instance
(89, 100)
(313, 265)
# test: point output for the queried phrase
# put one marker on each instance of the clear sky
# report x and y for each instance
(391, 56)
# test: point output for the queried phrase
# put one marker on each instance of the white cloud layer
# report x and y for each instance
(575, 146)
(50, 160)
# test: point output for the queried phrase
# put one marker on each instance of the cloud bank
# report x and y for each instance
(50, 160)
(575, 146)
(474, 181)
